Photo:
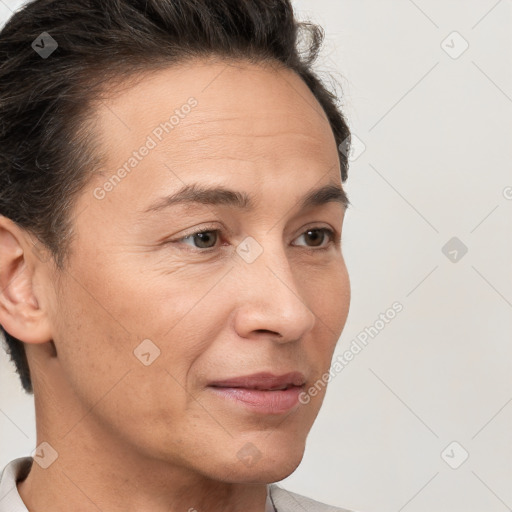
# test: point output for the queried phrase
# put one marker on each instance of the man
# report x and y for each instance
(173, 285)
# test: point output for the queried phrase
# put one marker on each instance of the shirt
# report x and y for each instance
(278, 499)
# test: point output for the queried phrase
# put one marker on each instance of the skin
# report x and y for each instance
(153, 438)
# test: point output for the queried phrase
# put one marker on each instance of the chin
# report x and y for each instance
(281, 471)
(268, 466)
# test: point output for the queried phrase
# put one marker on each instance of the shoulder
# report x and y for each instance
(287, 501)
(17, 469)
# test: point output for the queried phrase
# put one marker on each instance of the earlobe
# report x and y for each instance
(21, 314)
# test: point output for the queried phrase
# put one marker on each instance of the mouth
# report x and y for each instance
(257, 388)
(263, 393)
(263, 381)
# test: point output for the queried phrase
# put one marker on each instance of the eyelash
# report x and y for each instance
(329, 232)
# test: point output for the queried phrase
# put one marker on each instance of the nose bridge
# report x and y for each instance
(271, 299)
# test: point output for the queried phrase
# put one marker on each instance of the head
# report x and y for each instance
(120, 300)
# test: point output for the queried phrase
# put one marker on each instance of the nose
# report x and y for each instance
(270, 301)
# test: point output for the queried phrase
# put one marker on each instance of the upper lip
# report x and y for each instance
(263, 381)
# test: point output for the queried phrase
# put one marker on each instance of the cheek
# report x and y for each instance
(342, 300)
(93, 349)
(154, 328)
(330, 300)
(112, 385)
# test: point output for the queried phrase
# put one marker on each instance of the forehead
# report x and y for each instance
(241, 109)
(243, 126)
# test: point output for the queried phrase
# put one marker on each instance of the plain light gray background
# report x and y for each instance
(434, 121)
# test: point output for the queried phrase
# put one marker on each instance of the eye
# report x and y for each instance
(317, 235)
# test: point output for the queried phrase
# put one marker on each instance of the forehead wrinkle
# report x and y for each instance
(255, 121)
(281, 147)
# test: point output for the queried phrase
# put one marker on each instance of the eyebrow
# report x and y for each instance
(219, 195)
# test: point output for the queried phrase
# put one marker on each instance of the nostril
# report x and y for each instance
(266, 331)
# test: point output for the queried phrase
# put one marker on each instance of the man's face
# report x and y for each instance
(147, 315)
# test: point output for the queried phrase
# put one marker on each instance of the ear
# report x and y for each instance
(21, 270)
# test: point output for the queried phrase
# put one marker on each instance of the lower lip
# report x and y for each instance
(266, 402)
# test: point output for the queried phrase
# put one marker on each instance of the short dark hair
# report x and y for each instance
(47, 151)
